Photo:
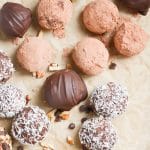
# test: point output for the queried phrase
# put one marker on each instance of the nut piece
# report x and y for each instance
(38, 74)
(45, 146)
(50, 115)
(70, 140)
(64, 115)
(54, 67)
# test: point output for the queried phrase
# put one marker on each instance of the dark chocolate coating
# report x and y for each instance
(64, 89)
(15, 19)
(140, 6)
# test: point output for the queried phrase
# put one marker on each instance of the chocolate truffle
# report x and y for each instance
(30, 126)
(12, 101)
(6, 67)
(5, 140)
(130, 39)
(109, 100)
(140, 6)
(35, 54)
(90, 56)
(97, 134)
(100, 16)
(15, 19)
(64, 89)
(54, 15)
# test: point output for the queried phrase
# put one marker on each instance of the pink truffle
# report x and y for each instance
(130, 39)
(35, 54)
(100, 16)
(54, 15)
(90, 56)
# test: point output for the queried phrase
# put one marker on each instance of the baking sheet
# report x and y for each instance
(133, 126)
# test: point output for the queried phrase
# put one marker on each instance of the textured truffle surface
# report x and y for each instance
(54, 15)
(5, 140)
(90, 56)
(130, 39)
(6, 67)
(109, 100)
(64, 89)
(12, 101)
(30, 125)
(100, 16)
(97, 134)
(35, 54)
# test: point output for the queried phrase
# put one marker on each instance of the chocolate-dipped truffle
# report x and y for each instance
(30, 125)
(140, 6)
(64, 89)
(6, 67)
(12, 101)
(109, 100)
(5, 140)
(15, 19)
(97, 134)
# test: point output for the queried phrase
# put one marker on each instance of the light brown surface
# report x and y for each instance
(133, 126)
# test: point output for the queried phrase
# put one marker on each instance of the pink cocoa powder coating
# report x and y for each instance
(91, 56)
(35, 54)
(54, 15)
(130, 39)
(100, 16)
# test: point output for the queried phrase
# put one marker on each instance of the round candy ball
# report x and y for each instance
(64, 89)
(35, 54)
(54, 15)
(100, 16)
(6, 67)
(15, 19)
(30, 126)
(12, 101)
(90, 56)
(109, 100)
(130, 39)
(97, 134)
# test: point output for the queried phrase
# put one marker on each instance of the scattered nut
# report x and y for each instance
(64, 115)
(112, 66)
(38, 74)
(70, 140)
(27, 99)
(50, 115)
(68, 66)
(54, 67)
(45, 146)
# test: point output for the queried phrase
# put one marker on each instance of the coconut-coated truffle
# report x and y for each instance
(12, 100)
(109, 100)
(30, 126)
(90, 56)
(35, 54)
(54, 15)
(100, 16)
(97, 134)
(130, 39)
(6, 67)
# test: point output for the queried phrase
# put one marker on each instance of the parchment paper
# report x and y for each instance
(133, 126)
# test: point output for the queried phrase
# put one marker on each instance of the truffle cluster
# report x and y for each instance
(109, 100)
(30, 125)
(11, 101)
(97, 134)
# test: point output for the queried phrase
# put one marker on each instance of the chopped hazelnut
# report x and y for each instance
(70, 140)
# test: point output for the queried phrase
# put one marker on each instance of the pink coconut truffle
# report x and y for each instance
(100, 16)
(35, 54)
(54, 15)
(130, 39)
(90, 56)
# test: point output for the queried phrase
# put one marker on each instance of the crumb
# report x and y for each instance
(64, 115)
(112, 66)
(71, 126)
(54, 67)
(70, 140)
(38, 74)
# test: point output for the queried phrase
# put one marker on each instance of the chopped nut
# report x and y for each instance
(70, 140)
(50, 115)
(54, 67)
(112, 66)
(71, 126)
(40, 34)
(40, 74)
(64, 115)
(45, 146)
(68, 66)
(27, 99)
